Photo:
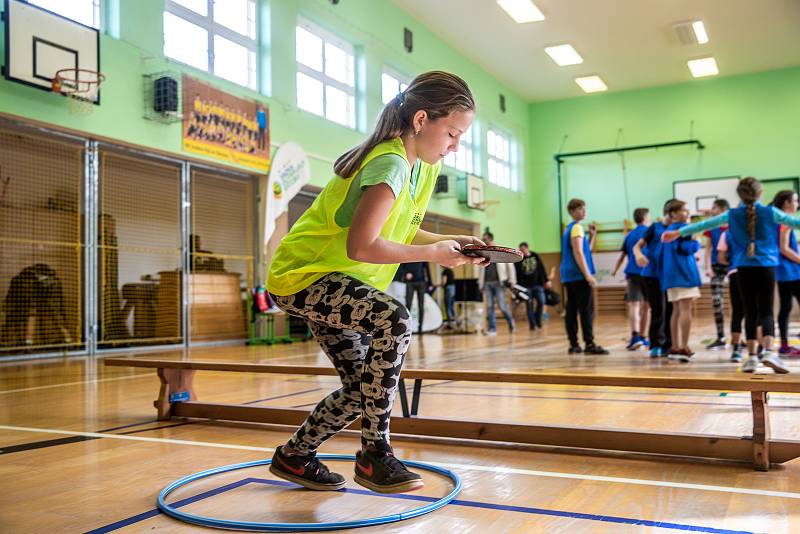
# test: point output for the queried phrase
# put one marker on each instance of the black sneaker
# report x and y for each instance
(306, 471)
(380, 471)
(594, 349)
(716, 344)
(575, 349)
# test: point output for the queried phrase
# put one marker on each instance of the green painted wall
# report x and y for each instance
(374, 26)
(749, 124)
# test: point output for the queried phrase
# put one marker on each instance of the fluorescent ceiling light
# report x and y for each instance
(521, 11)
(564, 55)
(706, 66)
(591, 84)
(700, 31)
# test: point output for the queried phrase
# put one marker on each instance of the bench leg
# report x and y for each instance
(175, 384)
(760, 430)
(415, 396)
(401, 390)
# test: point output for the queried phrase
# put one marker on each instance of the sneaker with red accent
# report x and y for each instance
(788, 350)
(380, 471)
(306, 471)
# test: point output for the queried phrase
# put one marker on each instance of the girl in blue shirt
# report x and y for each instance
(753, 232)
(787, 273)
(681, 280)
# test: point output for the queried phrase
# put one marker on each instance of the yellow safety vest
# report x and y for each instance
(316, 246)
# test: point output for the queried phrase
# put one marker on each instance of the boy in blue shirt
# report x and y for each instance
(635, 296)
(680, 278)
(648, 256)
(577, 275)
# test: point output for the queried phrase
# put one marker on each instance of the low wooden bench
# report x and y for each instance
(177, 398)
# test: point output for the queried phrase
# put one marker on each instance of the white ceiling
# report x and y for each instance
(629, 43)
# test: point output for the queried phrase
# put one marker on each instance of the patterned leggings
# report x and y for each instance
(718, 297)
(366, 334)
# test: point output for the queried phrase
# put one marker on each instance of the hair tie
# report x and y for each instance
(401, 97)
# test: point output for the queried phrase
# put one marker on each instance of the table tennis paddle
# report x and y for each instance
(493, 253)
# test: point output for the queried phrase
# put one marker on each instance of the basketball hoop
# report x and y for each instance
(80, 86)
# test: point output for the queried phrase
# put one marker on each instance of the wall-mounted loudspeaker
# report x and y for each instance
(165, 95)
(408, 40)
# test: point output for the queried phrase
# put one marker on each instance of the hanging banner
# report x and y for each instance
(224, 127)
(289, 173)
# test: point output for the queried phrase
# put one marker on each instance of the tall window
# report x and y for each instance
(501, 162)
(392, 84)
(326, 79)
(464, 158)
(87, 12)
(218, 36)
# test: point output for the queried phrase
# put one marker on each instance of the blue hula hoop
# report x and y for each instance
(299, 527)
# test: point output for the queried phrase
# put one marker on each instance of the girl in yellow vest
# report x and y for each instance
(337, 261)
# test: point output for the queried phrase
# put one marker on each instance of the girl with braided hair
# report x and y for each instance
(753, 231)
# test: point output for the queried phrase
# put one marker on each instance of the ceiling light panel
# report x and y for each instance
(521, 11)
(591, 84)
(564, 55)
(703, 67)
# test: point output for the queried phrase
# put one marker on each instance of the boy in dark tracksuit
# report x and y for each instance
(532, 276)
(577, 275)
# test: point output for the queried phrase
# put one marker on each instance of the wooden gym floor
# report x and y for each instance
(80, 449)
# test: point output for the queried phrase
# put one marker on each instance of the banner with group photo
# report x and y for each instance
(225, 127)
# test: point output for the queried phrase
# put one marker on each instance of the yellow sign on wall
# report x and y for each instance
(225, 127)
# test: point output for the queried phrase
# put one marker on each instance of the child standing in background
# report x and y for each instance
(636, 294)
(681, 280)
(787, 274)
(577, 275)
(716, 273)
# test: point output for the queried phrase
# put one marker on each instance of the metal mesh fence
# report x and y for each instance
(221, 252)
(139, 246)
(41, 244)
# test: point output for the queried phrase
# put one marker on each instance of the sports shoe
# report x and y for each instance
(574, 349)
(491, 332)
(681, 355)
(736, 355)
(380, 471)
(750, 365)
(788, 350)
(716, 344)
(774, 362)
(306, 471)
(594, 349)
(656, 352)
(646, 343)
(635, 343)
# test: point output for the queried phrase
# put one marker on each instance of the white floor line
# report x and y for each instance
(135, 438)
(621, 480)
(50, 386)
(464, 467)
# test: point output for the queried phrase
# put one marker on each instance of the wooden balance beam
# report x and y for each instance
(177, 398)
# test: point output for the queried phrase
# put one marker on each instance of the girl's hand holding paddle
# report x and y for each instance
(448, 253)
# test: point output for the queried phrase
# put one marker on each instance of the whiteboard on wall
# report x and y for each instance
(700, 194)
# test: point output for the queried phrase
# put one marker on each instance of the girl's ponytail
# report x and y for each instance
(437, 93)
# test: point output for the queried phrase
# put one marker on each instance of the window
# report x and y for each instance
(501, 164)
(392, 84)
(87, 12)
(464, 158)
(218, 36)
(326, 80)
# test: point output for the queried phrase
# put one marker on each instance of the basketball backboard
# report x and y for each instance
(39, 43)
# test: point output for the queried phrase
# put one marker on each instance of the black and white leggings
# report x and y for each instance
(366, 334)
(718, 297)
